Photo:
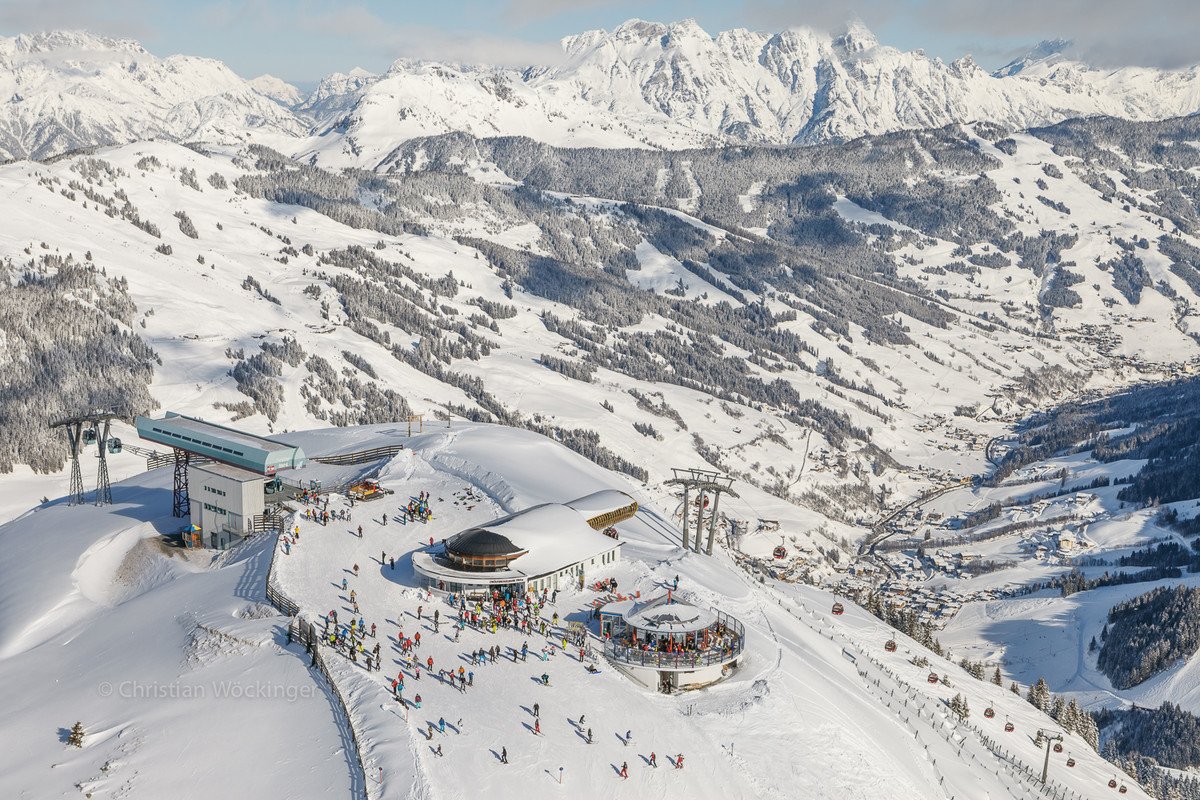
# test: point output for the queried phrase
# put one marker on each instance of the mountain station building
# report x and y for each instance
(546, 547)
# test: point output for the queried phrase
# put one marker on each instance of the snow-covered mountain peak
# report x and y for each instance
(277, 89)
(857, 38)
(67, 41)
(1047, 51)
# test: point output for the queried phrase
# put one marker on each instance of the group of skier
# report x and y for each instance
(520, 612)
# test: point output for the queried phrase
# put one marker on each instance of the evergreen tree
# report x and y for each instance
(996, 679)
(75, 737)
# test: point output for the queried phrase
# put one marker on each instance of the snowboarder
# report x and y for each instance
(545, 679)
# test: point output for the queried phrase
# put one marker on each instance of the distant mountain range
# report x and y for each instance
(641, 85)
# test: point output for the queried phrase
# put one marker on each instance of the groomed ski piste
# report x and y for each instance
(182, 675)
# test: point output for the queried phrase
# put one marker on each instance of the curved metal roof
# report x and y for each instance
(480, 542)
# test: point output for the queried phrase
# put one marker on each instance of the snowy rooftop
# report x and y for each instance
(553, 535)
(602, 502)
(672, 618)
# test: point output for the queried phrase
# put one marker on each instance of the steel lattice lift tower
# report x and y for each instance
(707, 482)
(181, 506)
(82, 430)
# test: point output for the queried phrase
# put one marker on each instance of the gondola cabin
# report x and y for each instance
(838, 609)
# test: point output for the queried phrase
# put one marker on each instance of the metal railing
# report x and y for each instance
(316, 647)
(360, 456)
(635, 656)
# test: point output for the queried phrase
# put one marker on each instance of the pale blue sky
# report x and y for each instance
(303, 40)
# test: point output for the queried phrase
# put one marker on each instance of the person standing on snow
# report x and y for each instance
(503, 755)
(679, 761)
(625, 769)
(536, 709)
(442, 724)
(653, 760)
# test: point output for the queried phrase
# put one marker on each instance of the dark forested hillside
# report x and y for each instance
(1149, 634)
(69, 346)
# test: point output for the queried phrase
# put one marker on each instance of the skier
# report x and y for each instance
(503, 755)
(628, 737)
(582, 717)
(537, 727)
(344, 585)
(356, 570)
(442, 724)
(653, 760)
(624, 769)
(536, 709)
(438, 752)
(589, 739)
(392, 564)
(417, 700)
(360, 531)
(420, 609)
(382, 557)
(679, 761)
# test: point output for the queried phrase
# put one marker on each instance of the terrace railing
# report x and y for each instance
(637, 657)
